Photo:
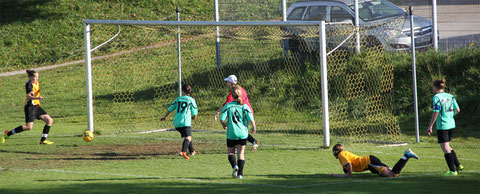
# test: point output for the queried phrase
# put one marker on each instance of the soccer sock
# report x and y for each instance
(455, 159)
(185, 145)
(16, 130)
(46, 129)
(250, 138)
(190, 147)
(450, 162)
(399, 165)
(231, 159)
(241, 163)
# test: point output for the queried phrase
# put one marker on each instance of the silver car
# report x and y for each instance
(370, 11)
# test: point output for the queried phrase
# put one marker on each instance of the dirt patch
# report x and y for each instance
(100, 153)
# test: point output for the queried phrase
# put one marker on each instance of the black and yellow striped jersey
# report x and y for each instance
(35, 89)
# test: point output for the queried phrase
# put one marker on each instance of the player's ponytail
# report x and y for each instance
(237, 95)
(31, 72)
(439, 83)
(187, 89)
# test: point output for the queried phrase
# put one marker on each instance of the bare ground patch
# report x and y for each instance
(99, 153)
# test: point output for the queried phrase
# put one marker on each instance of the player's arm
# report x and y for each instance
(194, 109)
(348, 172)
(252, 120)
(229, 99)
(169, 110)
(432, 122)
(218, 111)
(30, 95)
(165, 117)
(223, 117)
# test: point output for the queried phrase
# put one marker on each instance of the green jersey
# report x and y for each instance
(238, 117)
(186, 108)
(446, 105)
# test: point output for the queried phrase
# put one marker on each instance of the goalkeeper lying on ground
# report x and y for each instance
(353, 163)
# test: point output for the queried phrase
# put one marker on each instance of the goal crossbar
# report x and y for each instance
(204, 23)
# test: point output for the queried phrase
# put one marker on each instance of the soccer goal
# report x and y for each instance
(302, 78)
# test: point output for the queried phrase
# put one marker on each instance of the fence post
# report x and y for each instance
(217, 40)
(179, 50)
(357, 27)
(284, 10)
(323, 63)
(414, 72)
(435, 26)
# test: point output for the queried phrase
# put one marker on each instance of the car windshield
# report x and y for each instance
(377, 9)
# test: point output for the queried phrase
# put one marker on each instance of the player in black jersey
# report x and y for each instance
(32, 110)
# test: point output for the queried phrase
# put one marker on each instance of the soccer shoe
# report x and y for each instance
(409, 154)
(184, 155)
(255, 146)
(240, 177)
(235, 172)
(4, 137)
(450, 173)
(46, 142)
(194, 153)
(459, 168)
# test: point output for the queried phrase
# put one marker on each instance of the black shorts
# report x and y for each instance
(233, 143)
(376, 166)
(33, 112)
(444, 135)
(184, 131)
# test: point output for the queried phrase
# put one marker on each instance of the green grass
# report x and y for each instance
(147, 163)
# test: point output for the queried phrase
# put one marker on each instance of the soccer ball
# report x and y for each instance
(87, 136)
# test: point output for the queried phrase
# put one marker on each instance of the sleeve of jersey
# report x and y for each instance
(343, 159)
(436, 105)
(29, 87)
(249, 114)
(194, 108)
(455, 104)
(223, 116)
(229, 99)
(172, 106)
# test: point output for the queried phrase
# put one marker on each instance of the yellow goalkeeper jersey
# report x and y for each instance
(358, 163)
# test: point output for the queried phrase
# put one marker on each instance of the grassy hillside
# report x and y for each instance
(42, 32)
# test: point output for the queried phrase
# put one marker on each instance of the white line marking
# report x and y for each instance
(154, 131)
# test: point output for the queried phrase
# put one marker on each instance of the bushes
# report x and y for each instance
(461, 68)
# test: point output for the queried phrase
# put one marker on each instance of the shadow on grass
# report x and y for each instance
(22, 10)
(273, 183)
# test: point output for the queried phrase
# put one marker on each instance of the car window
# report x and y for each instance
(316, 13)
(377, 9)
(338, 14)
(296, 14)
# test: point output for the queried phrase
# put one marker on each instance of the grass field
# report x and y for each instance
(147, 163)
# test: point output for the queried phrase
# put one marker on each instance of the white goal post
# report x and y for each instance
(322, 57)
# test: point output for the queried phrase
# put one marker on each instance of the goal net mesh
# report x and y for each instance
(279, 67)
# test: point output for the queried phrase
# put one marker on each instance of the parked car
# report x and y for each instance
(371, 12)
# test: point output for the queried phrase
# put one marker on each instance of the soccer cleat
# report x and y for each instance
(409, 154)
(194, 153)
(4, 137)
(235, 172)
(450, 173)
(46, 142)
(184, 155)
(255, 146)
(459, 167)
(240, 177)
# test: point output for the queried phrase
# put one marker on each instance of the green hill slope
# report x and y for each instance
(41, 32)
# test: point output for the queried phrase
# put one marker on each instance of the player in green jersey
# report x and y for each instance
(238, 114)
(186, 111)
(444, 108)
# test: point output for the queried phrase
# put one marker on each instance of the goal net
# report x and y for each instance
(278, 66)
